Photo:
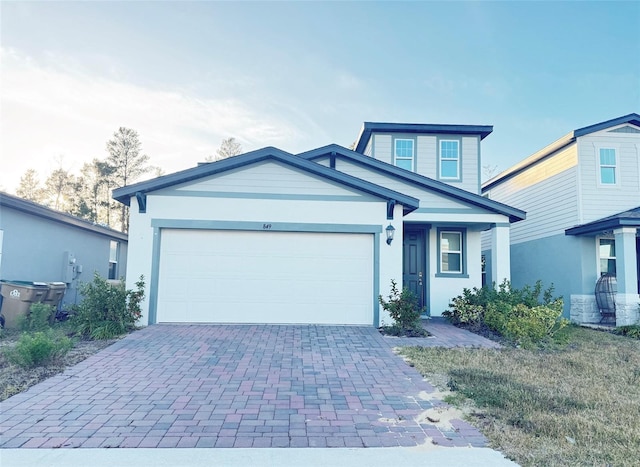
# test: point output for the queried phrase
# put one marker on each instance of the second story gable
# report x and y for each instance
(448, 153)
(588, 174)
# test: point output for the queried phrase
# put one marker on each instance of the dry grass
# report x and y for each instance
(575, 405)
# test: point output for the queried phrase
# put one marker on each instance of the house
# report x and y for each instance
(43, 245)
(582, 197)
(272, 237)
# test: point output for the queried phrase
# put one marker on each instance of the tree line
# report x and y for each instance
(88, 193)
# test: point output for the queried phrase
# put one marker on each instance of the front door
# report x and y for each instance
(414, 273)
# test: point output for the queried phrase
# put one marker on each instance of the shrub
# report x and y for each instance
(403, 308)
(107, 310)
(38, 348)
(632, 331)
(525, 316)
(38, 318)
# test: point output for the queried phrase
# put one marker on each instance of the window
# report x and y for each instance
(404, 151)
(607, 256)
(607, 166)
(450, 159)
(113, 259)
(451, 252)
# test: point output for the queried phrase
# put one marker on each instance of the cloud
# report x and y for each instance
(55, 107)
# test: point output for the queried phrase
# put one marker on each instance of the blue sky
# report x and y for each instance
(298, 75)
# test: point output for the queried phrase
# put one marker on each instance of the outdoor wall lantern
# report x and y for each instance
(390, 231)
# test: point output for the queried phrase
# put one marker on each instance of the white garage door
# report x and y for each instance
(265, 277)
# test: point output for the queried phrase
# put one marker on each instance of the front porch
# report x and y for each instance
(617, 239)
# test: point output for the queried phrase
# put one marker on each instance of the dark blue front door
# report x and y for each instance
(414, 273)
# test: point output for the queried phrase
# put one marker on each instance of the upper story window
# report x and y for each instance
(449, 166)
(404, 153)
(607, 256)
(607, 166)
(113, 259)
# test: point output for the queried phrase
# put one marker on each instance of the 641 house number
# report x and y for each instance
(266, 226)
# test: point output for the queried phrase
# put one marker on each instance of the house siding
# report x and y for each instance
(33, 249)
(267, 178)
(538, 260)
(598, 201)
(426, 156)
(548, 192)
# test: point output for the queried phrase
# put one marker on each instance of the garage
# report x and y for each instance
(234, 276)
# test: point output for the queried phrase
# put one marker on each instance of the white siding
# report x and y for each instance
(600, 201)
(382, 148)
(427, 156)
(548, 192)
(268, 177)
(470, 166)
(427, 199)
(367, 149)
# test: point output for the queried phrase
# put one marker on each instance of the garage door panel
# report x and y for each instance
(274, 277)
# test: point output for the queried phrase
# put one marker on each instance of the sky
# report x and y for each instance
(300, 75)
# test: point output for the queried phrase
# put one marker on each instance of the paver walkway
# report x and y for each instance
(234, 386)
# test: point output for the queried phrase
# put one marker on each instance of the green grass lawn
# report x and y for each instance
(574, 404)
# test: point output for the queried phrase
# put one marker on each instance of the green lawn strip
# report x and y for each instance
(574, 405)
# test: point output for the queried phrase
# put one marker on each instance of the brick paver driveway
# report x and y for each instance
(233, 386)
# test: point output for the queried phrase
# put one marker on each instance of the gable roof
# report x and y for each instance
(416, 179)
(38, 210)
(124, 194)
(561, 143)
(414, 128)
(630, 218)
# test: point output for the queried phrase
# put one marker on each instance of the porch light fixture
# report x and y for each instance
(390, 231)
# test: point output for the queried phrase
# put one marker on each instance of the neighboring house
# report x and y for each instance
(39, 244)
(272, 237)
(582, 197)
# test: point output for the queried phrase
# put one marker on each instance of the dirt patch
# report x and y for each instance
(14, 379)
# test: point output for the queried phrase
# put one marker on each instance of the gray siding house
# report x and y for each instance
(582, 198)
(43, 245)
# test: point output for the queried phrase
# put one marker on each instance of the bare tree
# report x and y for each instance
(228, 148)
(489, 171)
(127, 163)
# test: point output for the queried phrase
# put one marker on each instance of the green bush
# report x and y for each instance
(38, 348)
(38, 318)
(107, 310)
(403, 308)
(524, 316)
(632, 331)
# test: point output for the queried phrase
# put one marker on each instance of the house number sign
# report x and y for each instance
(266, 226)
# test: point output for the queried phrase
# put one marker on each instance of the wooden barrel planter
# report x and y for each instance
(606, 288)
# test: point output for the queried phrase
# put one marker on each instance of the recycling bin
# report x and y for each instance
(54, 297)
(17, 298)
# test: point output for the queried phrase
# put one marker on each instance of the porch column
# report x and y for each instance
(627, 298)
(500, 253)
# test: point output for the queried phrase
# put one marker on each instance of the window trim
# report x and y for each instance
(113, 261)
(616, 167)
(600, 258)
(463, 253)
(405, 158)
(458, 141)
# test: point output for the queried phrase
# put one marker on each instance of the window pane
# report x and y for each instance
(404, 148)
(449, 169)
(607, 157)
(450, 241)
(607, 248)
(607, 175)
(449, 149)
(113, 251)
(404, 164)
(451, 262)
(608, 266)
